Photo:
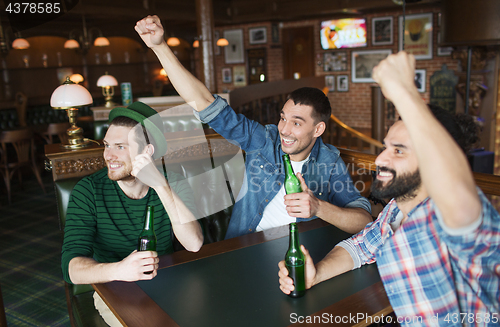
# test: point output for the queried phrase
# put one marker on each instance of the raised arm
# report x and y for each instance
(192, 90)
(443, 166)
(186, 227)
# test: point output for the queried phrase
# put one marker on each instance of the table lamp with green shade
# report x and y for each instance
(69, 96)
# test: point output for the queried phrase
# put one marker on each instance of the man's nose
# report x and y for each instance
(109, 154)
(286, 128)
(382, 159)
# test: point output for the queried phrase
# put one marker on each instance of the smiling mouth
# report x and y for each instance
(384, 174)
(114, 166)
(286, 141)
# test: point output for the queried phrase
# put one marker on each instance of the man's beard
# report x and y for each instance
(402, 188)
(123, 175)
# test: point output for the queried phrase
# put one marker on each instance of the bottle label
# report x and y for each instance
(145, 245)
(294, 261)
(297, 273)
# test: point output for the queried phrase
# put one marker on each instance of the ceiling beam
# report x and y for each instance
(118, 17)
(243, 11)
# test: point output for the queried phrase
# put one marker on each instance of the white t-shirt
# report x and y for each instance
(275, 214)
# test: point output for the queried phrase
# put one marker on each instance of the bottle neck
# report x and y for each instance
(294, 236)
(288, 166)
(149, 221)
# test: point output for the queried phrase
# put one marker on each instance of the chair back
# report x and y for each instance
(63, 188)
(79, 297)
(23, 143)
(56, 129)
(21, 106)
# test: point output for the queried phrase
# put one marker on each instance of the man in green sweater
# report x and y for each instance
(106, 210)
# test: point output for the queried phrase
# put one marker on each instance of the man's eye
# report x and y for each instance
(121, 147)
(399, 151)
(283, 118)
(296, 124)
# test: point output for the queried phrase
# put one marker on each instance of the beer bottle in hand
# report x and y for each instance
(295, 263)
(147, 238)
(292, 183)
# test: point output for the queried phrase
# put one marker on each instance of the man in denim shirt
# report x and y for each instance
(328, 191)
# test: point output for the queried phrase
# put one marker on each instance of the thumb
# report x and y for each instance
(303, 184)
(305, 251)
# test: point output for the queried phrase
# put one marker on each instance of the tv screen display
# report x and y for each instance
(343, 33)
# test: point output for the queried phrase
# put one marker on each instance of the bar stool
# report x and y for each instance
(23, 142)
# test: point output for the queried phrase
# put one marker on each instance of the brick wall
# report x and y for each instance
(352, 107)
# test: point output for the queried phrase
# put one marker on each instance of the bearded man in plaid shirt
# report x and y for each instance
(437, 242)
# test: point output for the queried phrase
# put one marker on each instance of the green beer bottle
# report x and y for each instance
(292, 183)
(147, 238)
(295, 263)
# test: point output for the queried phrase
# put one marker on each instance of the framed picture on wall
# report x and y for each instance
(233, 53)
(342, 83)
(420, 78)
(417, 35)
(226, 75)
(382, 30)
(257, 35)
(335, 61)
(330, 82)
(239, 76)
(363, 62)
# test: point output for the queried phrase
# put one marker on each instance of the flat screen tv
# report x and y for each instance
(343, 33)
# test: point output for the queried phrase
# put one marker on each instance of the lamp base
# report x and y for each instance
(75, 136)
(83, 144)
(110, 104)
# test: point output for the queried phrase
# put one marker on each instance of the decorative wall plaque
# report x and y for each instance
(442, 87)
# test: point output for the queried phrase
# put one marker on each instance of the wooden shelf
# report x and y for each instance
(79, 66)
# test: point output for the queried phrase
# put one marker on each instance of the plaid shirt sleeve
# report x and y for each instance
(364, 246)
(475, 253)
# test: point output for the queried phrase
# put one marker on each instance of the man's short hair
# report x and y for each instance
(461, 127)
(310, 96)
(151, 131)
(141, 134)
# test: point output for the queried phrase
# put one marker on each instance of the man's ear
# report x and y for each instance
(320, 129)
(149, 149)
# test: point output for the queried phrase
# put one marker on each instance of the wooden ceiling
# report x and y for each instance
(118, 17)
